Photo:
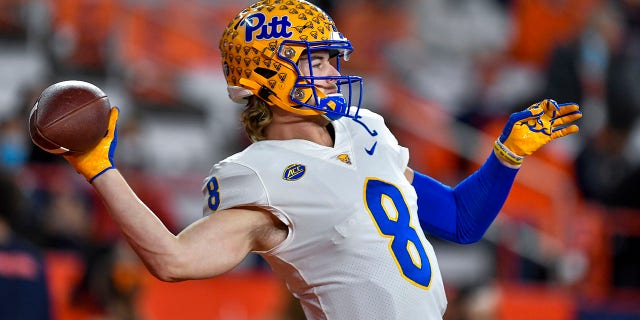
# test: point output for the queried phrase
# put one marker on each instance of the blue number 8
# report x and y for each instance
(214, 194)
(394, 222)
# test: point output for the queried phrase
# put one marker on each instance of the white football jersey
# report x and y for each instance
(355, 249)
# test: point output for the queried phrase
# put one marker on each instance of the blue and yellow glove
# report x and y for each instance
(98, 160)
(529, 130)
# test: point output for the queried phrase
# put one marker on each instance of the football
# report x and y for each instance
(69, 117)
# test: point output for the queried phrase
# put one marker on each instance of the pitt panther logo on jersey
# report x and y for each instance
(278, 27)
(344, 158)
(294, 172)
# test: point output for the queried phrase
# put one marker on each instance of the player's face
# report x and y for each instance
(321, 65)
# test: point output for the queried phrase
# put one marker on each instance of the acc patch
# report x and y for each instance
(294, 172)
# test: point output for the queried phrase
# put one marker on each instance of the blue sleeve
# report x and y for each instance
(464, 213)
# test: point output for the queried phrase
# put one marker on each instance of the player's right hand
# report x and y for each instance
(98, 160)
(529, 130)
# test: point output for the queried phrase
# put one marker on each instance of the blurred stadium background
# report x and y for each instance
(445, 73)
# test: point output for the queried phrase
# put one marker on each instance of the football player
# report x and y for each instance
(324, 192)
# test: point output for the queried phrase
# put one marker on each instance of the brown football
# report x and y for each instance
(69, 117)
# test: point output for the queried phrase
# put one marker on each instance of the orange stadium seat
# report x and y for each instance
(534, 303)
(236, 295)
(148, 77)
(188, 42)
(388, 21)
(161, 41)
(535, 38)
(590, 233)
(64, 272)
(241, 295)
(89, 23)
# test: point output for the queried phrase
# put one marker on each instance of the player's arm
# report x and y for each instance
(463, 214)
(210, 246)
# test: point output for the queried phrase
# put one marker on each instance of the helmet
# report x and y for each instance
(260, 50)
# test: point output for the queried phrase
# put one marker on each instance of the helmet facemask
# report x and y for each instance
(346, 101)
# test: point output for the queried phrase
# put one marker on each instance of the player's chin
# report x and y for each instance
(320, 118)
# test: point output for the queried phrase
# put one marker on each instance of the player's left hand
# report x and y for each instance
(98, 160)
(530, 129)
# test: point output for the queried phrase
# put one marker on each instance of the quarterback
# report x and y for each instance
(324, 192)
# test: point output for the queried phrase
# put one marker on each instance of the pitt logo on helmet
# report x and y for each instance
(278, 27)
(294, 172)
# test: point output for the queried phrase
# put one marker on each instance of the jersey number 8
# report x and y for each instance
(390, 214)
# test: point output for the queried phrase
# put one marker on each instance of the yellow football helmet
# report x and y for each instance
(260, 50)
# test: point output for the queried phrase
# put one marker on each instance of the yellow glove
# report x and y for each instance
(529, 130)
(98, 160)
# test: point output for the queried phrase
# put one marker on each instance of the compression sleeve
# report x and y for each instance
(464, 213)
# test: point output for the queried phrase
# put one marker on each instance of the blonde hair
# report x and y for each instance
(255, 118)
